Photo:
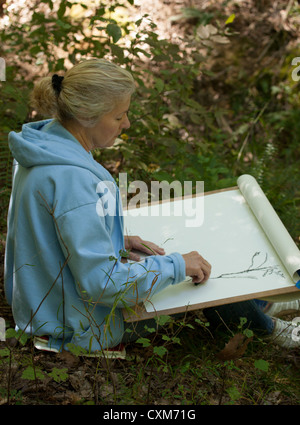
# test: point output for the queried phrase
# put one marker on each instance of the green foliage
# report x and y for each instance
(59, 375)
(233, 393)
(262, 365)
(19, 335)
(178, 132)
(165, 368)
(32, 373)
(144, 341)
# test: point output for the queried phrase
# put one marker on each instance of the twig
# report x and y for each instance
(250, 129)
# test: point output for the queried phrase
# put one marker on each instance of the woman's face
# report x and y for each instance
(110, 126)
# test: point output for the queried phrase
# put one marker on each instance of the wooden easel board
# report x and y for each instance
(251, 252)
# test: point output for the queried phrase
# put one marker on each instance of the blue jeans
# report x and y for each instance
(252, 310)
(230, 314)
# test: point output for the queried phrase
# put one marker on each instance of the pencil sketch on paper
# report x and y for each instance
(258, 268)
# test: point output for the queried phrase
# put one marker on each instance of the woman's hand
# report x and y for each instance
(135, 242)
(196, 267)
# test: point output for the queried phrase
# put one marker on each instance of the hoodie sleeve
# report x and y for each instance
(99, 274)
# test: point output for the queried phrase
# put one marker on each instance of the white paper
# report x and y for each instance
(231, 239)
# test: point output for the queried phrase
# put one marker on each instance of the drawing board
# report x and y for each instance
(240, 235)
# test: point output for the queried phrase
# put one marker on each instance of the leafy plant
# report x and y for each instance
(59, 375)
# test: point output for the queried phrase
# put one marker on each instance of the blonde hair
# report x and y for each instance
(89, 90)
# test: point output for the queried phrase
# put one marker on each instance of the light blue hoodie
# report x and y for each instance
(52, 218)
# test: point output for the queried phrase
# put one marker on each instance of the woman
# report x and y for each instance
(63, 271)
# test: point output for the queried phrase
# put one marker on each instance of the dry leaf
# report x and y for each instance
(220, 39)
(205, 31)
(235, 348)
(69, 359)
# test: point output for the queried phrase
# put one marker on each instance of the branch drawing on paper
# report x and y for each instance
(256, 266)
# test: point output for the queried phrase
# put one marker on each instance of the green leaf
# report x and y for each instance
(60, 64)
(233, 393)
(248, 333)
(4, 352)
(162, 320)
(114, 31)
(144, 341)
(166, 338)
(176, 340)
(188, 325)
(62, 9)
(63, 25)
(243, 321)
(150, 330)
(32, 373)
(34, 50)
(21, 336)
(76, 349)
(117, 51)
(159, 85)
(202, 323)
(230, 19)
(160, 351)
(262, 365)
(59, 375)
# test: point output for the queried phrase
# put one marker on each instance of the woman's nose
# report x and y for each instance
(126, 122)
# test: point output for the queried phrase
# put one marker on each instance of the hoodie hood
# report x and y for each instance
(47, 142)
